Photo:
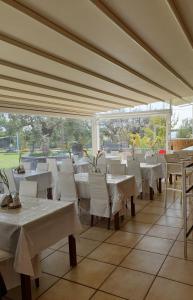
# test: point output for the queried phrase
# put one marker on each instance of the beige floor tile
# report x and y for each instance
(154, 244)
(178, 250)
(174, 213)
(66, 290)
(124, 238)
(178, 269)
(97, 233)
(128, 284)
(57, 263)
(46, 281)
(136, 227)
(59, 244)
(170, 221)
(89, 272)
(146, 218)
(45, 253)
(109, 253)
(164, 289)
(143, 261)
(164, 232)
(104, 296)
(181, 236)
(83, 246)
(156, 203)
(153, 210)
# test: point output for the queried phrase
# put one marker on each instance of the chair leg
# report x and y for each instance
(37, 282)
(92, 221)
(132, 207)
(109, 223)
(174, 195)
(3, 290)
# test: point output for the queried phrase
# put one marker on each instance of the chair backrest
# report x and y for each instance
(67, 166)
(11, 180)
(133, 168)
(174, 157)
(117, 169)
(28, 188)
(26, 165)
(139, 157)
(52, 167)
(99, 202)
(113, 162)
(42, 167)
(152, 159)
(102, 167)
(67, 187)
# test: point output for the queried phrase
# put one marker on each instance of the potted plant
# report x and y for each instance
(20, 169)
(8, 198)
(93, 161)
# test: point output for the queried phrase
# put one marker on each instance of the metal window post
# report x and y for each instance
(95, 136)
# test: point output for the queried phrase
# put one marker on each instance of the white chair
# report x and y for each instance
(67, 187)
(28, 188)
(102, 167)
(174, 168)
(27, 165)
(117, 169)
(113, 161)
(8, 278)
(42, 167)
(151, 159)
(139, 157)
(133, 168)
(11, 181)
(67, 166)
(52, 167)
(100, 204)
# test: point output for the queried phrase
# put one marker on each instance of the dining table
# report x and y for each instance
(121, 188)
(152, 175)
(43, 179)
(37, 225)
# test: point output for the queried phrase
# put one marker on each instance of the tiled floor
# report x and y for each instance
(141, 261)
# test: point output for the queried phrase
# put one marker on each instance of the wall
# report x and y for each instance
(179, 144)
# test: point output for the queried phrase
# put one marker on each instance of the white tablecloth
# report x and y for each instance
(151, 173)
(121, 188)
(43, 179)
(40, 223)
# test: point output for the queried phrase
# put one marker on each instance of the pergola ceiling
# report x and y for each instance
(76, 58)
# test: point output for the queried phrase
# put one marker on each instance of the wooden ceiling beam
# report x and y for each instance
(179, 19)
(51, 88)
(50, 98)
(62, 31)
(8, 103)
(138, 40)
(74, 83)
(46, 102)
(62, 61)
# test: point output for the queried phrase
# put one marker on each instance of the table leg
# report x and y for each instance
(151, 192)
(116, 221)
(170, 178)
(26, 287)
(72, 250)
(49, 193)
(132, 207)
(160, 185)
